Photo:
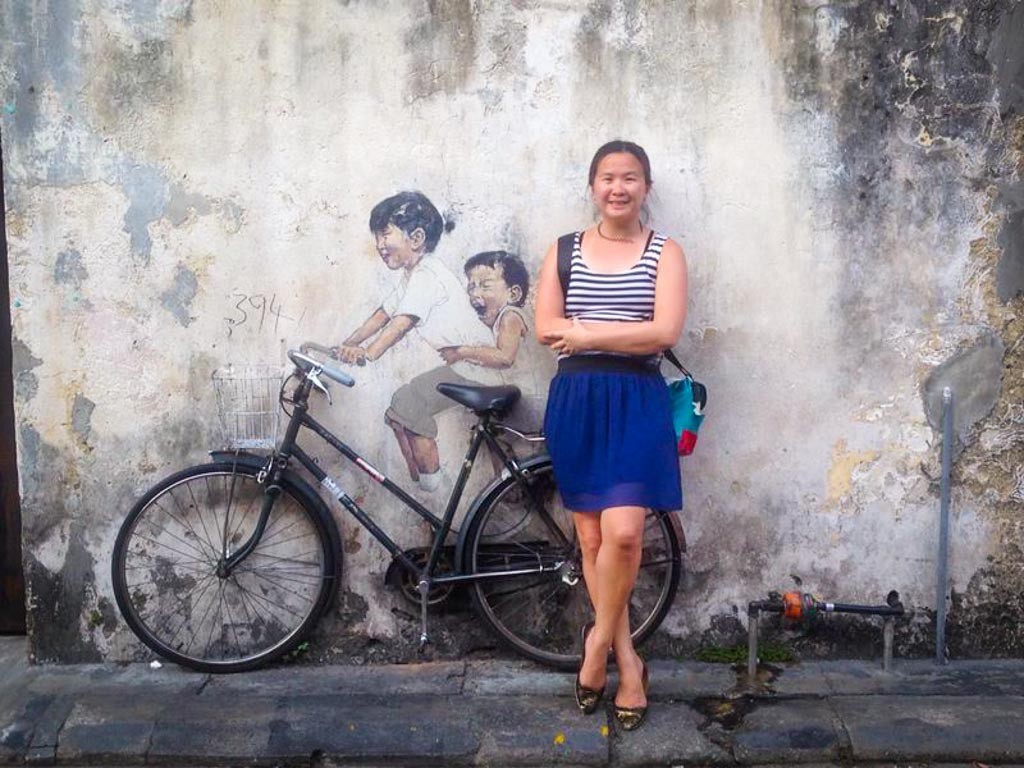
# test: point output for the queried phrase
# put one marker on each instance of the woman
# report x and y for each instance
(608, 425)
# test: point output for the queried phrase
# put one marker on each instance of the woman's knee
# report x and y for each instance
(589, 534)
(624, 531)
(625, 537)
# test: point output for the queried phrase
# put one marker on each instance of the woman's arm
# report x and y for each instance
(642, 338)
(549, 314)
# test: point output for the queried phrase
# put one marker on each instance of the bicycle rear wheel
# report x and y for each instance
(539, 614)
(171, 594)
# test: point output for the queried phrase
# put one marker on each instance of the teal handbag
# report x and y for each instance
(687, 399)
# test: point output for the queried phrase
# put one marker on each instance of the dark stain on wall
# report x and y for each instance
(1010, 272)
(130, 78)
(69, 270)
(51, 490)
(81, 416)
(60, 601)
(22, 362)
(178, 298)
(43, 49)
(147, 191)
(1006, 54)
(183, 204)
(443, 48)
(911, 91)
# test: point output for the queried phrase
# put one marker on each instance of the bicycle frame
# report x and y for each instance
(288, 449)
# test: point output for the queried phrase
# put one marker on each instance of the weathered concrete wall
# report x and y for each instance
(189, 185)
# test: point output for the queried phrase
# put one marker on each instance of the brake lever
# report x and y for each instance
(314, 379)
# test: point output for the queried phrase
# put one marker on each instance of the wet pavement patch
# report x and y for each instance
(724, 711)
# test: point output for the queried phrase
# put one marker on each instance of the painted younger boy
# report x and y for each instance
(497, 284)
(429, 297)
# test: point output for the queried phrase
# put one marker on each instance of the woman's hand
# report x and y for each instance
(569, 341)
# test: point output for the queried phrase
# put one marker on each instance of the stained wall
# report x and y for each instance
(189, 184)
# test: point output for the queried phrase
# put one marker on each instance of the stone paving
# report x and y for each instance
(506, 713)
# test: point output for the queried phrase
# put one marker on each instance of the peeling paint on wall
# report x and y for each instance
(178, 298)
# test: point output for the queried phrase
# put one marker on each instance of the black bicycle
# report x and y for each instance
(226, 566)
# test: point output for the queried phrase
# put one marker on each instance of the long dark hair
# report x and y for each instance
(619, 145)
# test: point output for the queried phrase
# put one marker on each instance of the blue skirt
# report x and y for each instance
(609, 433)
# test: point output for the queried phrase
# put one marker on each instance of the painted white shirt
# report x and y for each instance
(432, 293)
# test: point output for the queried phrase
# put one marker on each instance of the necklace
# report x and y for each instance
(603, 236)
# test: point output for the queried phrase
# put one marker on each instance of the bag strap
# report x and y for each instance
(565, 243)
(671, 357)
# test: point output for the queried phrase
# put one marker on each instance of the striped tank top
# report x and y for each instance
(613, 296)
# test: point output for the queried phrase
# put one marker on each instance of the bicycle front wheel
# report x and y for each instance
(539, 612)
(177, 600)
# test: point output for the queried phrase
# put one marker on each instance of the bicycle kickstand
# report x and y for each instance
(424, 590)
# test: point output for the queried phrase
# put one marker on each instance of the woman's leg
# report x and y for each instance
(623, 526)
(612, 572)
(588, 531)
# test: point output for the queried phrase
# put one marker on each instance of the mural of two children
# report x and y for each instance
(477, 329)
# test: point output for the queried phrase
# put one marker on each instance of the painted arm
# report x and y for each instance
(642, 338)
(373, 323)
(392, 332)
(510, 332)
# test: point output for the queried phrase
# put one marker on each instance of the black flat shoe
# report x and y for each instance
(630, 718)
(587, 699)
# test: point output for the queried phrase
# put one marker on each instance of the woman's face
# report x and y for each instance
(619, 188)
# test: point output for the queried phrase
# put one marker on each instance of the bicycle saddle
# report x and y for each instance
(481, 399)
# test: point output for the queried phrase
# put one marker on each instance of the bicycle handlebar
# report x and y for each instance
(305, 362)
(331, 352)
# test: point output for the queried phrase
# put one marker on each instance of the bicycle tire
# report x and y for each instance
(165, 576)
(540, 615)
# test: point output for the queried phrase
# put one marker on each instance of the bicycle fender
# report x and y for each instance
(484, 497)
(677, 526)
(241, 458)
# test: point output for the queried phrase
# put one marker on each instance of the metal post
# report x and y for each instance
(752, 645)
(888, 632)
(940, 587)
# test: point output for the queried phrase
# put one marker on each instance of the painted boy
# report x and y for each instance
(497, 284)
(429, 297)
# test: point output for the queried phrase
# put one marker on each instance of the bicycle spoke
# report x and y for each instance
(244, 516)
(517, 590)
(189, 565)
(202, 520)
(264, 599)
(184, 521)
(172, 549)
(189, 544)
(184, 524)
(279, 586)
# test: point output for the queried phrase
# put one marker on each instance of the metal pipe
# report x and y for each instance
(888, 633)
(752, 615)
(868, 610)
(941, 579)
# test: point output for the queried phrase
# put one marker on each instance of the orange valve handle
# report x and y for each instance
(793, 605)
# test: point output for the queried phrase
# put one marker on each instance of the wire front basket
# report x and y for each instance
(247, 405)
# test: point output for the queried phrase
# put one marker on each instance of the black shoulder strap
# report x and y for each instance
(565, 243)
(671, 357)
